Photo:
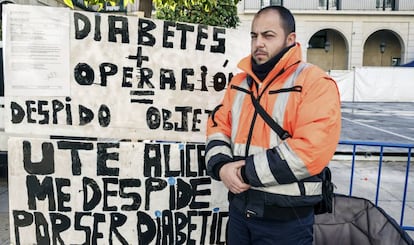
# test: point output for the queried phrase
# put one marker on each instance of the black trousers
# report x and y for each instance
(243, 230)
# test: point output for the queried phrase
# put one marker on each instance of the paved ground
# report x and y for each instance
(373, 121)
(390, 194)
(380, 122)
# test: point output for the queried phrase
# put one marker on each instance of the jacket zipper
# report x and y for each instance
(249, 137)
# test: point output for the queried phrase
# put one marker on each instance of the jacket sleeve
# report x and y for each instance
(218, 143)
(315, 135)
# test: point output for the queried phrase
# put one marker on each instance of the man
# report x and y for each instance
(272, 182)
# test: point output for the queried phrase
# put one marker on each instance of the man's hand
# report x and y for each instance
(230, 175)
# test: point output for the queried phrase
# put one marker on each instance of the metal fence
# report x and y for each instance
(404, 152)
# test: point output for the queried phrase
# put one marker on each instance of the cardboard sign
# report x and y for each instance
(129, 77)
(92, 97)
(93, 192)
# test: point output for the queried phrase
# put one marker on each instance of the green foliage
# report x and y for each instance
(209, 12)
(98, 3)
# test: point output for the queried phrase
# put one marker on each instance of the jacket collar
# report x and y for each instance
(291, 57)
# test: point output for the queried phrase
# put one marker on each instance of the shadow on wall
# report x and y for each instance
(3, 165)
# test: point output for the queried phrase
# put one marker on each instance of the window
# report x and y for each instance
(318, 40)
(328, 4)
(385, 4)
(395, 61)
(322, 3)
(276, 2)
(265, 3)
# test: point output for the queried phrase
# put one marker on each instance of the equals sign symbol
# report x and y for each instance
(141, 93)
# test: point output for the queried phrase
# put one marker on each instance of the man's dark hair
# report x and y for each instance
(288, 21)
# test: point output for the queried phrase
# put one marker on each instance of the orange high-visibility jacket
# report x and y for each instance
(305, 101)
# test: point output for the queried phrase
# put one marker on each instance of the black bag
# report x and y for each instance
(325, 205)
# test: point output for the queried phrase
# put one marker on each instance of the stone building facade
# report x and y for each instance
(343, 34)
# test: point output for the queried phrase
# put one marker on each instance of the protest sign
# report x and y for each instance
(111, 112)
(85, 192)
(126, 77)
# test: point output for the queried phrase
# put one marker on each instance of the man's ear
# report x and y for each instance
(291, 38)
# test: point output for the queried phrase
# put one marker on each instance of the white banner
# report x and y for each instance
(376, 84)
(92, 192)
(130, 77)
(390, 84)
(84, 94)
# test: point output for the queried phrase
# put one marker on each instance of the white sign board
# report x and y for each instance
(89, 167)
(130, 77)
(83, 192)
(37, 51)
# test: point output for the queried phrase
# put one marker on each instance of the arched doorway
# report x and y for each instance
(382, 48)
(327, 48)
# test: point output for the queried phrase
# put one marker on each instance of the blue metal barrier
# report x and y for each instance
(382, 146)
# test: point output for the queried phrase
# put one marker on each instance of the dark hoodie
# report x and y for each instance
(261, 70)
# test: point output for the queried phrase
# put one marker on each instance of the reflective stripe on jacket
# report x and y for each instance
(305, 103)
